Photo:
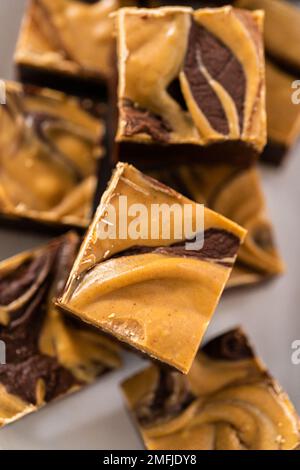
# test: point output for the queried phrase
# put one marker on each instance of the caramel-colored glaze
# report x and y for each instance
(279, 99)
(125, 295)
(281, 26)
(236, 194)
(235, 406)
(140, 31)
(49, 151)
(68, 36)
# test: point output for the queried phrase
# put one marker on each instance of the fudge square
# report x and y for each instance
(228, 401)
(190, 80)
(156, 293)
(282, 133)
(67, 44)
(47, 354)
(50, 154)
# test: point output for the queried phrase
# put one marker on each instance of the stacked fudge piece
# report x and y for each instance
(186, 125)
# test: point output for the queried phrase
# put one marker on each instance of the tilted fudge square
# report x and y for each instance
(282, 133)
(282, 32)
(191, 83)
(228, 401)
(50, 149)
(67, 44)
(149, 287)
(237, 194)
(47, 354)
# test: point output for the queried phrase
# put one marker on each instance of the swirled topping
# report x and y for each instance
(69, 36)
(119, 282)
(47, 355)
(228, 401)
(49, 151)
(236, 194)
(212, 57)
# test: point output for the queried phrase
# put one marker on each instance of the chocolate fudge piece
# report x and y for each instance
(150, 287)
(67, 44)
(282, 32)
(228, 401)
(47, 354)
(236, 194)
(191, 83)
(282, 132)
(50, 157)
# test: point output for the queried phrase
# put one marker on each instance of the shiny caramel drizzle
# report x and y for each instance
(48, 355)
(225, 403)
(69, 36)
(200, 50)
(120, 285)
(236, 194)
(49, 151)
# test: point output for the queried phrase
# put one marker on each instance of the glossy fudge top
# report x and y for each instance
(70, 36)
(154, 292)
(228, 401)
(47, 354)
(49, 151)
(193, 77)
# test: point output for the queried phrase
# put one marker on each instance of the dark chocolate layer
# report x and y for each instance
(231, 346)
(218, 245)
(207, 50)
(170, 397)
(140, 120)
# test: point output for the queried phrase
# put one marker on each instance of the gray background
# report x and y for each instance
(95, 417)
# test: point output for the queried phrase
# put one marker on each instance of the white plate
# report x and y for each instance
(95, 418)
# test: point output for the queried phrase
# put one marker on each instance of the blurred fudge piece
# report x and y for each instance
(236, 194)
(50, 157)
(47, 355)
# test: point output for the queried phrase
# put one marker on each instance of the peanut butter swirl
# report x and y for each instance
(228, 401)
(49, 151)
(236, 194)
(68, 36)
(216, 56)
(47, 355)
(120, 285)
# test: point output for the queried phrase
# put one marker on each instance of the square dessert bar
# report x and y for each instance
(237, 194)
(47, 355)
(282, 133)
(282, 32)
(149, 287)
(50, 151)
(191, 83)
(228, 401)
(67, 44)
